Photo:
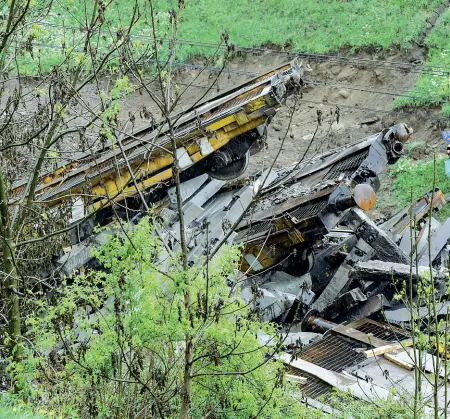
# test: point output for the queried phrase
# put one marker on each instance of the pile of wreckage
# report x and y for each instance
(312, 258)
(318, 264)
(321, 267)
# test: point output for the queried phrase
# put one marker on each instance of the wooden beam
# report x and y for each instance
(381, 350)
(394, 359)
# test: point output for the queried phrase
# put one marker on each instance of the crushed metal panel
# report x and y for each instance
(78, 256)
(403, 314)
(207, 192)
(267, 177)
(344, 382)
(341, 278)
(384, 331)
(384, 246)
(373, 305)
(220, 222)
(405, 243)
(423, 235)
(400, 222)
(253, 262)
(377, 270)
(205, 146)
(78, 211)
(187, 189)
(191, 211)
(438, 241)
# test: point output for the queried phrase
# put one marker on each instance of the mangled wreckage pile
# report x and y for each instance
(312, 258)
(316, 263)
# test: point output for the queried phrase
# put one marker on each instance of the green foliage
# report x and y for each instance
(417, 175)
(131, 357)
(411, 146)
(311, 25)
(435, 82)
(317, 26)
(20, 412)
(356, 409)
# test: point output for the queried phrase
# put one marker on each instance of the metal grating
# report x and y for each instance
(334, 353)
(301, 213)
(381, 331)
(65, 185)
(313, 388)
(238, 101)
(347, 166)
(255, 229)
(309, 210)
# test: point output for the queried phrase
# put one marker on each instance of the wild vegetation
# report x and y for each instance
(130, 357)
(310, 26)
(176, 342)
(23, 412)
(435, 80)
(133, 340)
(414, 178)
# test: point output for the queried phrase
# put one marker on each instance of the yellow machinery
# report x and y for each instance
(215, 137)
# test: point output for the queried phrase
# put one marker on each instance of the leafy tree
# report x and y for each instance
(130, 357)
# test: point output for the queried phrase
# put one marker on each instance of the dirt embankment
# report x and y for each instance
(361, 92)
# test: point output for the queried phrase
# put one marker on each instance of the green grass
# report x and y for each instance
(434, 85)
(316, 26)
(309, 25)
(417, 176)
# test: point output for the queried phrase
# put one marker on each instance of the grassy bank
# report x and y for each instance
(316, 26)
(417, 176)
(436, 81)
(310, 25)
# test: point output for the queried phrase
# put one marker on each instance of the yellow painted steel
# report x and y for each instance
(221, 123)
(112, 186)
(246, 116)
(263, 254)
(118, 184)
(230, 127)
(59, 172)
(131, 190)
(256, 104)
(224, 137)
(242, 118)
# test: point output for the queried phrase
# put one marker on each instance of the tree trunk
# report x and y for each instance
(187, 381)
(9, 281)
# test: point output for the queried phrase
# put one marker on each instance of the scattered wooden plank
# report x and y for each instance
(428, 362)
(398, 361)
(381, 350)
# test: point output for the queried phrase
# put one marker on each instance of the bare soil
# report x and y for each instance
(351, 87)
